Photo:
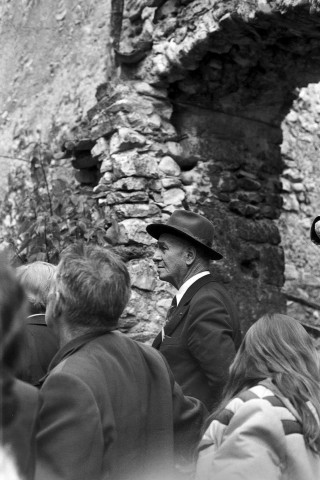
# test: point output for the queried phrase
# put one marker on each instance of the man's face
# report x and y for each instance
(170, 259)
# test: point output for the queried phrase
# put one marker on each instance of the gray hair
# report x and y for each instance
(37, 279)
(94, 284)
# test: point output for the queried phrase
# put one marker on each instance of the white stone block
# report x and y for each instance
(169, 167)
(173, 196)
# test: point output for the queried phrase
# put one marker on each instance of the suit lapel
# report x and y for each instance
(157, 341)
(176, 318)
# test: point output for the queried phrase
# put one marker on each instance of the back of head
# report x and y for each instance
(37, 279)
(94, 284)
(278, 347)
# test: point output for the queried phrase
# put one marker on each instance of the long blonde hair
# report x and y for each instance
(278, 347)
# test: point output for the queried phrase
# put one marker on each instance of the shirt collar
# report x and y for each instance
(36, 319)
(184, 287)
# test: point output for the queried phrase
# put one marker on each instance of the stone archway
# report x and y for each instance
(192, 118)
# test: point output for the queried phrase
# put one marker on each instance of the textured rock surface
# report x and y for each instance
(301, 194)
(53, 58)
(192, 118)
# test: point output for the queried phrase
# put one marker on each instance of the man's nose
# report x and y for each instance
(156, 256)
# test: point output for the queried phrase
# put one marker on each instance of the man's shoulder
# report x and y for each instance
(97, 369)
(213, 295)
(105, 353)
(82, 363)
(25, 392)
(209, 287)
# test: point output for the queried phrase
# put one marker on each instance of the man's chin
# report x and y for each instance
(162, 275)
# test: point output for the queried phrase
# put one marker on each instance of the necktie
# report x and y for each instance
(172, 309)
(170, 312)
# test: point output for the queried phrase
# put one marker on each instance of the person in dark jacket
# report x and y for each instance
(40, 343)
(202, 332)
(111, 408)
(19, 401)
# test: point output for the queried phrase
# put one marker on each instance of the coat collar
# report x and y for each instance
(186, 285)
(71, 347)
(193, 289)
(181, 308)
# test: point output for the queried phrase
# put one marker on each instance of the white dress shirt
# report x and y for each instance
(184, 287)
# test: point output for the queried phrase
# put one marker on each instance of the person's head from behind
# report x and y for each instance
(91, 289)
(37, 279)
(278, 347)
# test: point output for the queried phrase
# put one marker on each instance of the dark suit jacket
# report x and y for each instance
(19, 432)
(38, 350)
(111, 409)
(201, 339)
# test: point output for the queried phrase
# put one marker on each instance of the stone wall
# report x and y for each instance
(54, 55)
(195, 122)
(192, 118)
(301, 195)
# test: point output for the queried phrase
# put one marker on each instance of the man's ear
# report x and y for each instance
(57, 304)
(191, 254)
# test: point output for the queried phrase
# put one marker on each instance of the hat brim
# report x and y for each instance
(157, 229)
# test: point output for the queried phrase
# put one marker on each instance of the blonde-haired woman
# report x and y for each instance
(267, 426)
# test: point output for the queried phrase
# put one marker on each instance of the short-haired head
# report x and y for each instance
(37, 279)
(94, 285)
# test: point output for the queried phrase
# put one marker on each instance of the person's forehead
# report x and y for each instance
(169, 240)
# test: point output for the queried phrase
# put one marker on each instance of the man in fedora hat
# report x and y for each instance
(202, 331)
(110, 408)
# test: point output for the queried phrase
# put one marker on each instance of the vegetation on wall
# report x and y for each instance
(45, 211)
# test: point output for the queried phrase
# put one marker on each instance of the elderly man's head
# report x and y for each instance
(174, 257)
(92, 288)
(185, 246)
(37, 279)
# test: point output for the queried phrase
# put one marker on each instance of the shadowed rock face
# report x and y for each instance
(194, 120)
(230, 74)
(53, 57)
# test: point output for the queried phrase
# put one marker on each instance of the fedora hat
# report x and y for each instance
(314, 235)
(196, 228)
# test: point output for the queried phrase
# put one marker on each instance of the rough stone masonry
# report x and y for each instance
(191, 117)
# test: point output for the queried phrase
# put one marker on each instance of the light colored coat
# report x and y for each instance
(257, 436)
